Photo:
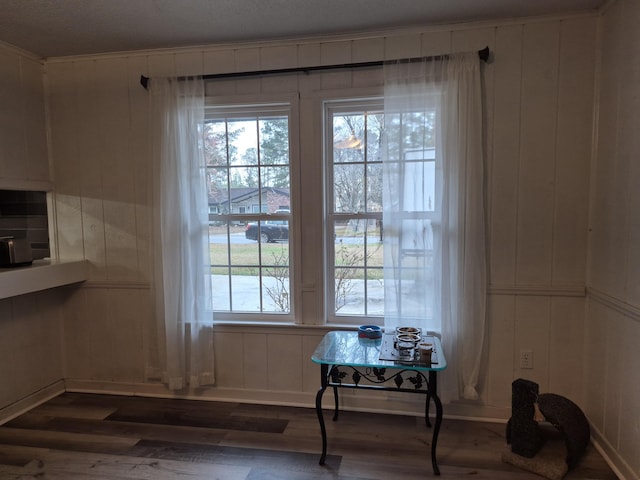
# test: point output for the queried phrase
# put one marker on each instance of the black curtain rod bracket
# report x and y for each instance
(483, 54)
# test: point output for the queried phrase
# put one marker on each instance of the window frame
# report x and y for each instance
(252, 106)
(343, 105)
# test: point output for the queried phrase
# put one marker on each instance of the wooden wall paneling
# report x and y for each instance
(595, 366)
(189, 63)
(22, 364)
(227, 348)
(532, 333)
(12, 120)
(285, 362)
(310, 172)
(254, 361)
(118, 180)
(335, 53)
(275, 57)
(66, 165)
(435, 43)
(40, 326)
(248, 60)
(219, 61)
(472, 39)
(607, 257)
(37, 158)
(573, 151)
(310, 370)
(38, 352)
(629, 144)
(501, 355)
(162, 65)
(78, 350)
(92, 160)
(629, 439)
(140, 163)
(102, 333)
(566, 347)
(615, 376)
(367, 50)
(406, 45)
(309, 54)
(7, 357)
(503, 164)
(538, 152)
(279, 83)
(127, 314)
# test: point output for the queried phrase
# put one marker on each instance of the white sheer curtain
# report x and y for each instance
(433, 210)
(182, 278)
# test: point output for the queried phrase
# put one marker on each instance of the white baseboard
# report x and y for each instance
(31, 401)
(612, 457)
(350, 399)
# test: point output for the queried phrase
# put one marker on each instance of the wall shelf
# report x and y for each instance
(42, 275)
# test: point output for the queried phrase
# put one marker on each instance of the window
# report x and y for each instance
(354, 278)
(248, 173)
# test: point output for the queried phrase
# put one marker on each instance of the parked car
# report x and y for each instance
(269, 231)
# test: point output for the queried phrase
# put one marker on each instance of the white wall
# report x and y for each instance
(613, 315)
(539, 93)
(30, 325)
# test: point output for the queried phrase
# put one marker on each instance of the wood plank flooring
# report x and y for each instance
(84, 436)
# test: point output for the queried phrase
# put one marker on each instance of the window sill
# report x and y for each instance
(41, 275)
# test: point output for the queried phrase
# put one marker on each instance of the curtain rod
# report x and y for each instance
(482, 54)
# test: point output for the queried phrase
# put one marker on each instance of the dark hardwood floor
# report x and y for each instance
(83, 436)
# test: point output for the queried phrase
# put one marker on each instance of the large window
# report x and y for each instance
(249, 191)
(354, 286)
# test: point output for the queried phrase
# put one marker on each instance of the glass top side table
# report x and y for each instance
(348, 361)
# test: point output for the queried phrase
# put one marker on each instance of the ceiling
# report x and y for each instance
(54, 28)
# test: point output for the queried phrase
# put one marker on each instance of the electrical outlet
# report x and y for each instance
(526, 358)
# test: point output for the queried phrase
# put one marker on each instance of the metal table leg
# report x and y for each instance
(324, 369)
(433, 393)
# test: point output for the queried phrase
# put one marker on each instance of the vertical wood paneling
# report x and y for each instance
(500, 350)
(615, 376)
(436, 43)
(66, 162)
(12, 121)
(531, 111)
(30, 330)
(596, 333)
(566, 348)
(367, 49)
(310, 370)
(629, 437)
(506, 150)
(402, 46)
(117, 178)
(191, 63)
(629, 144)
(140, 168)
(248, 60)
(532, 333)
(127, 313)
(37, 160)
(537, 153)
(573, 152)
(8, 393)
(92, 161)
(255, 361)
(608, 254)
(228, 348)
(285, 362)
(335, 53)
